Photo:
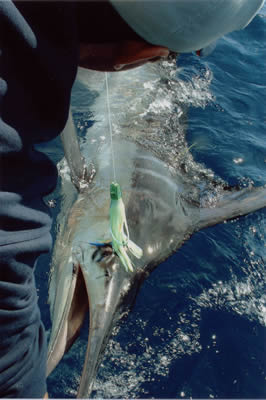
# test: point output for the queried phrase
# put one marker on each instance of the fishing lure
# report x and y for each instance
(119, 229)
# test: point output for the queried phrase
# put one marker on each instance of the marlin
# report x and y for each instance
(167, 197)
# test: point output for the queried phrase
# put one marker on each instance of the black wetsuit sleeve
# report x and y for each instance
(38, 62)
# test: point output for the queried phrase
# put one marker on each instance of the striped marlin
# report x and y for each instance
(167, 196)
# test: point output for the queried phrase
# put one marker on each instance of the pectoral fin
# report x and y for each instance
(232, 205)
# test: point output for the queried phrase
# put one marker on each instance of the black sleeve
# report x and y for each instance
(38, 62)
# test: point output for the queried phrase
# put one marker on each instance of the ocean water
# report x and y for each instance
(197, 329)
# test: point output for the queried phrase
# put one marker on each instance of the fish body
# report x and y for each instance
(162, 195)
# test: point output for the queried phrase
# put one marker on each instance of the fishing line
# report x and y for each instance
(110, 125)
(117, 213)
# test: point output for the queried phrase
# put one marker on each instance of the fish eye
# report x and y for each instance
(101, 252)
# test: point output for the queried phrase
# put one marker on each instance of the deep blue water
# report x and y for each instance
(198, 326)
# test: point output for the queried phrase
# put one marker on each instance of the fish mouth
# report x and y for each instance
(107, 291)
(66, 328)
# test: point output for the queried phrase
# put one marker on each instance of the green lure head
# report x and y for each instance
(115, 191)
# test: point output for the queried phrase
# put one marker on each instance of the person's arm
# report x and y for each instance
(38, 61)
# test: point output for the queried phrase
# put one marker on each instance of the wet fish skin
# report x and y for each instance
(163, 210)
